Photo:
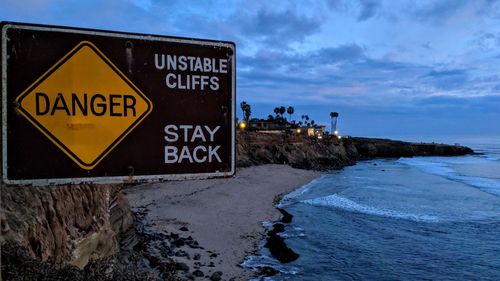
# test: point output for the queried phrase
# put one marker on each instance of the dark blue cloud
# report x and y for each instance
(482, 104)
(350, 52)
(368, 9)
(447, 79)
(276, 29)
(438, 11)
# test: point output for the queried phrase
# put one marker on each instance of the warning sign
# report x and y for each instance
(84, 105)
(97, 106)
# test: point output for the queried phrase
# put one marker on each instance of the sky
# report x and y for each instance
(390, 68)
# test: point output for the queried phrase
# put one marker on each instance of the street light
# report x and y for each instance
(242, 125)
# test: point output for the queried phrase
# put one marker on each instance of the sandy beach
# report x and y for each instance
(224, 216)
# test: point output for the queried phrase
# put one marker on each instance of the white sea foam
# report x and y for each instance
(292, 232)
(347, 204)
(442, 169)
(256, 262)
(268, 225)
(292, 196)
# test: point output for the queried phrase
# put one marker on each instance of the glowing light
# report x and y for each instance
(336, 132)
(339, 137)
(298, 131)
(242, 125)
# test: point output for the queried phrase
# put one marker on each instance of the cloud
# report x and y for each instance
(438, 11)
(420, 56)
(446, 79)
(368, 9)
(486, 41)
(277, 29)
(108, 15)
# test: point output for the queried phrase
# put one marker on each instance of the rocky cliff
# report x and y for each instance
(254, 148)
(66, 224)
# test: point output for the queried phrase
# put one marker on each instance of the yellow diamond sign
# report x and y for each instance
(85, 105)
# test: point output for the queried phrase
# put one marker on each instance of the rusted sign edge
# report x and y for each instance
(117, 179)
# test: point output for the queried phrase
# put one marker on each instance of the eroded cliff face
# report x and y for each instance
(369, 148)
(66, 224)
(254, 148)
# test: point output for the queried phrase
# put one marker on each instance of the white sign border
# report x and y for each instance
(117, 179)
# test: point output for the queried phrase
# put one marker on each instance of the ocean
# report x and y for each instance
(421, 218)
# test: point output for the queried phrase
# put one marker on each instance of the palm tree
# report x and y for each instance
(243, 106)
(333, 121)
(290, 110)
(282, 110)
(248, 112)
(277, 111)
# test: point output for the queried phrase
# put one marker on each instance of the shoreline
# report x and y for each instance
(213, 225)
(187, 228)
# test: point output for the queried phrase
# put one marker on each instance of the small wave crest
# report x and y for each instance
(349, 205)
(292, 196)
(258, 262)
(268, 225)
(489, 157)
(488, 185)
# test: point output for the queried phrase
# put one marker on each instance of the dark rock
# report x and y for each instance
(178, 242)
(277, 228)
(216, 276)
(277, 247)
(267, 271)
(198, 273)
(211, 264)
(213, 255)
(183, 228)
(181, 253)
(286, 216)
(174, 236)
(17, 264)
(196, 257)
(182, 266)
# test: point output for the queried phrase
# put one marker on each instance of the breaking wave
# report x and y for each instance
(442, 169)
(349, 205)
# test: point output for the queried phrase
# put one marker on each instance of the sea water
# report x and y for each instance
(421, 218)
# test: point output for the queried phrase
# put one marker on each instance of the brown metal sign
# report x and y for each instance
(82, 105)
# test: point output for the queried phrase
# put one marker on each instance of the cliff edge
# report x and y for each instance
(255, 148)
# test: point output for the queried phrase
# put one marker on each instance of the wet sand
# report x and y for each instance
(224, 216)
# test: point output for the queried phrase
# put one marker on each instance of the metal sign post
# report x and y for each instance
(82, 105)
